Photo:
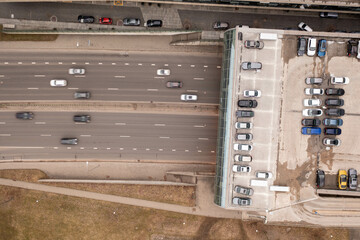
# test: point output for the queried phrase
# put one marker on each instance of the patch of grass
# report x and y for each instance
(27, 37)
(26, 175)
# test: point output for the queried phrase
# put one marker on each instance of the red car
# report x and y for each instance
(105, 21)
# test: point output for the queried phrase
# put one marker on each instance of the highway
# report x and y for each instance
(109, 76)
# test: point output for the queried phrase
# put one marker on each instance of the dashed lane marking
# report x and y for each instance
(45, 135)
(119, 76)
(113, 89)
(85, 135)
(19, 62)
(39, 75)
(74, 88)
(124, 136)
(165, 137)
(40, 122)
(5, 135)
(33, 62)
(80, 76)
(190, 90)
(33, 88)
(152, 90)
(159, 124)
(122, 124)
(199, 79)
(60, 63)
(203, 139)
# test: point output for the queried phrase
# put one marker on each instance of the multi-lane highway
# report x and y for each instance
(25, 77)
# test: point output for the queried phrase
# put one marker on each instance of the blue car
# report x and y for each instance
(311, 130)
(322, 48)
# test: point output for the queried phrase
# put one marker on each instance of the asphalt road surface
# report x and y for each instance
(113, 77)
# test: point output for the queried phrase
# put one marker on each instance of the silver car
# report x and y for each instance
(74, 71)
(251, 65)
(243, 190)
(131, 22)
(163, 72)
(254, 44)
(242, 201)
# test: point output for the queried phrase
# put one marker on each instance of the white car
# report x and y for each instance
(314, 91)
(243, 125)
(304, 27)
(188, 97)
(163, 72)
(242, 147)
(79, 71)
(58, 83)
(311, 47)
(312, 102)
(339, 80)
(263, 175)
(238, 168)
(252, 93)
(331, 142)
(314, 112)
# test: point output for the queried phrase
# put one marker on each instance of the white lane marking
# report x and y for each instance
(40, 122)
(73, 88)
(2, 122)
(45, 135)
(60, 63)
(113, 63)
(166, 64)
(39, 75)
(186, 150)
(108, 148)
(19, 62)
(164, 137)
(200, 79)
(152, 90)
(2, 75)
(159, 124)
(85, 135)
(179, 65)
(218, 66)
(100, 63)
(5, 135)
(160, 149)
(121, 148)
(203, 138)
(6, 62)
(56, 147)
(119, 76)
(134, 149)
(22, 147)
(153, 64)
(159, 77)
(205, 66)
(174, 150)
(95, 148)
(113, 89)
(80, 76)
(124, 136)
(140, 64)
(87, 63)
(73, 63)
(33, 62)
(32, 88)
(147, 149)
(80, 123)
(199, 126)
(199, 151)
(127, 64)
(212, 151)
(190, 90)
(192, 65)
(82, 148)
(122, 124)
(46, 62)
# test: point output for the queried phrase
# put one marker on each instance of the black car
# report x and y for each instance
(243, 113)
(334, 102)
(247, 103)
(332, 131)
(352, 48)
(24, 115)
(86, 19)
(154, 23)
(335, 91)
(69, 141)
(82, 118)
(320, 178)
(301, 46)
(338, 112)
(310, 122)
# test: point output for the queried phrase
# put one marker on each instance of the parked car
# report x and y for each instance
(69, 141)
(313, 122)
(301, 46)
(239, 168)
(254, 44)
(188, 97)
(242, 147)
(335, 91)
(24, 115)
(358, 52)
(339, 80)
(242, 201)
(252, 93)
(174, 84)
(243, 125)
(244, 136)
(105, 20)
(312, 102)
(304, 27)
(313, 80)
(311, 48)
(311, 130)
(82, 95)
(342, 179)
(263, 175)
(247, 103)
(332, 131)
(322, 48)
(251, 65)
(131, 22)
(82, 118)
(242, 158)
(352, 179)
(331, 142)
(86, 19)
(320, 178)
(315, 112)
(74, 71)
(314, 91)
(244, 113)
(163, 72)
(333, 122)
(220, 25)
(334, 102)
(154, 23)
(58, 83)
(243, 190)
(352, 48)
(329, 15)
(337, 112)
